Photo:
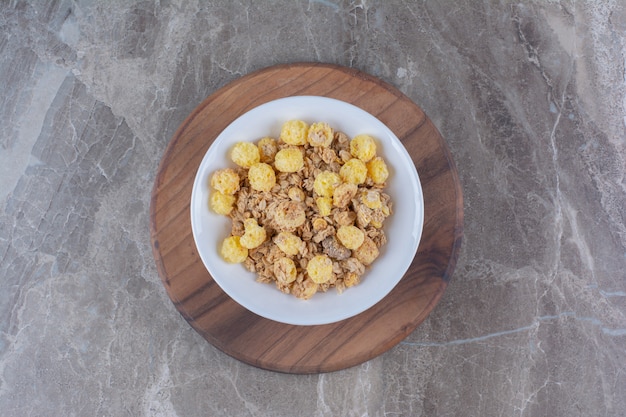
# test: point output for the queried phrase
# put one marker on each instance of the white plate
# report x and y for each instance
(403, 227)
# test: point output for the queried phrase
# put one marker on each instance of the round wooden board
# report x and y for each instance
(305, 349)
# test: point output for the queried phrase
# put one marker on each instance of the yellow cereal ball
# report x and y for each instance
(371, 199)
(325, 183)
(324, 205)
(221, 203)
(350, 236)
(363, 147)
(245, 154)
(289, 160)
(253, 234)
(294, 132)
(377, 170)
(354, 171)
(288, 243)
(320, 134)
(226, 181)
(289, 215)
(232, 251)
(367, 252)
(267, 149)
(320, 269)
(285, 271)
(261, 176)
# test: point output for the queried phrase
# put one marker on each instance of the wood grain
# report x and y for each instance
(305, 349)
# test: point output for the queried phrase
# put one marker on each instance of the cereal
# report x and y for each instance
(267, 149)
(221, 203)
(285, 271)
(371, 198)
(350, 236)
(326, 182)
(306, 289)
(232, 251)
(319, 224)
(226, 181)
(342, 196)
(307, 209)
(296, 194)
(320, 134)
(376, 223)
(354, 171)
(261, 176)
(253, 235)
(289, 243)
(288, 160)
(377, 170)
(363, 147)
(334, 249)
(289, 215)
(245, 154)
(324, 205)
(320, 269)
(367, 252)
(294, 132)
(351, 279)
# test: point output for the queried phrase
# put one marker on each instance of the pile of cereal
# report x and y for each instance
(307, 209)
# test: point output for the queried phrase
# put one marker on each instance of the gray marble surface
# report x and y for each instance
(530, 95)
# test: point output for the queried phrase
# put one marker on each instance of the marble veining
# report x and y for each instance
(530, 96)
